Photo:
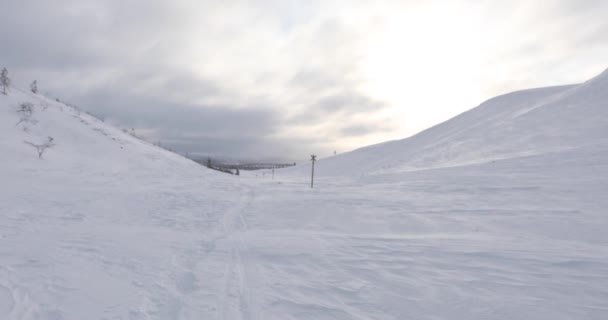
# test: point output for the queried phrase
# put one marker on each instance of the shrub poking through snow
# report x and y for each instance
(41, 148)
(34, 86)
(5, 81)
(26, 110)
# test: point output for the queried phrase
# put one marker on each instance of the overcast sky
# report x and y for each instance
(287, 78)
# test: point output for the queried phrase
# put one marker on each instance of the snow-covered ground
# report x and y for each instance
(499, 213)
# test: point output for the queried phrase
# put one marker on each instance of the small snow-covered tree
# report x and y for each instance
(26, 110)
(34, 86)
(5, 81)
(26, 107)
(41, 148)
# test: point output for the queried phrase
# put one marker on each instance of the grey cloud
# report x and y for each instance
(166, 66)
(212, 120)
(76, 34)
(344, 105)
(351, 102)
(569, 6)
(313, 80)
(42, 35)
(210, 130)
(118, 59)
(363, 129)
(598, 35)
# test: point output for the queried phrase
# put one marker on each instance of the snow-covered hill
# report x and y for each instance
(523, 123)
(83, 145)
(104, 226)
(499, 213)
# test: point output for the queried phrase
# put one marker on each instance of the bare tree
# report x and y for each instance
(34, 86)
(5, 81)
(41, 148)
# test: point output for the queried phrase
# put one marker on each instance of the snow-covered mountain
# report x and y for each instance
(517, 124)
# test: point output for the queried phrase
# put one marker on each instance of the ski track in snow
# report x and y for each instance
(236, 299)
(221, 243)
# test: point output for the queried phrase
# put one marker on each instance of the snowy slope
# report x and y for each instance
(499, 213)
(518, 124)
(105, 225)
(82, 141)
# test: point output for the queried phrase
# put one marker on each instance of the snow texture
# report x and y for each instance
(499, 213)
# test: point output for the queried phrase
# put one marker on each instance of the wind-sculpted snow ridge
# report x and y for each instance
(517, 124)
(499, 213)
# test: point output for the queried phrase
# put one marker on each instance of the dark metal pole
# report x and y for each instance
(313, 158)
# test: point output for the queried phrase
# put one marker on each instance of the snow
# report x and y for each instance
(499, 213)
